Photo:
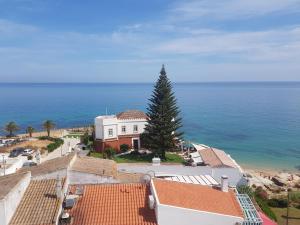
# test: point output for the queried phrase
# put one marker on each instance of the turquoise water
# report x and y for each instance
(257, 123)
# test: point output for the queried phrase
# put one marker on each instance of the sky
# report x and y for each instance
(129, 40)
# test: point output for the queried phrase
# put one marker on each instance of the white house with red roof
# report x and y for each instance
(180, 203)
(123, 128)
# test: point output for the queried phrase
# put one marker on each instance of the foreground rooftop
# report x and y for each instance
(197, 197)
(113, 204)
(39, 205)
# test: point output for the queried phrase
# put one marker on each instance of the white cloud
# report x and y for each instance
(8, 28)
(230, 9)
(272, 45)
(186, 46)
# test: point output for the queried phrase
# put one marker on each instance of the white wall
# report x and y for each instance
(167, 215)
(129, 126)
(53, 175)
(104, 123)
(13, 164)
(106, 128)
(10, 202)
(235, 177)
(76, 177)
(98, 128)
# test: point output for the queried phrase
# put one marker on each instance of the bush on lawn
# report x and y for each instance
(52, 146)
(265, 208)
(278, 203)
(244, 189)
(124, 147)
(261, 193)
(85, 138)
(109, 152)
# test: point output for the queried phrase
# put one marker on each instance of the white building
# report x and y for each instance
(179, 203)
(123, 128)
(12, 189)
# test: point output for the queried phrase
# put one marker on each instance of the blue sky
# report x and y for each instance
(128, 40)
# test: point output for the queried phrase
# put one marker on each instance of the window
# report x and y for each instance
(110, 132)
(123, 129)
(135, 128)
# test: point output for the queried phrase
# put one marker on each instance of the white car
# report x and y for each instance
(27, 152)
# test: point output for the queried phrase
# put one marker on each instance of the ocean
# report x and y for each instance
(258, 124)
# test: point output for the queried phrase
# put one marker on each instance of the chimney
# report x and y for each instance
(155, 161)
(224, 183)
(58, 188)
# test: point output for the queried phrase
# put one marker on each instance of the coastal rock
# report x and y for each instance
(278, 181)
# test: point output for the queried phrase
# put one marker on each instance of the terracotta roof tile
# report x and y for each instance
(93, 165)
(216, 158)
(131, 115)
(198, 197)
(39, 205)
(114, 204)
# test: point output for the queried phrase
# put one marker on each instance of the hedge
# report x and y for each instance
(265, 208)
(52, 146)
(278, 203)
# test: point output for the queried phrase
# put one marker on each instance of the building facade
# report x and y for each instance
(123, 128)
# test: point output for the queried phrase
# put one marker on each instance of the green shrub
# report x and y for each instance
(265, 208)
(261, 193)
(278, 203)
(244, 189)
(124, 147)
(109, 152)
(52, 146)
(85, 138)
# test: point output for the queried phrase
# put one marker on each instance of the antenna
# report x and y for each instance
(105, 110)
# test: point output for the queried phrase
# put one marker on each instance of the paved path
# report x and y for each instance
(69, 143)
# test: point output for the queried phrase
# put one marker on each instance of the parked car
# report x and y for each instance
(16, 152)
(29, 164)
(27, 152)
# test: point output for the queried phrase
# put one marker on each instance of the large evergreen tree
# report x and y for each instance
(162, 131)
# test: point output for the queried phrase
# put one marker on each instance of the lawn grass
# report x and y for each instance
(96, 154)
(281, 213)
(136, 158)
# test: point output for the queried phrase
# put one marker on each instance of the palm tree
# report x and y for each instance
(30, 130)
(11, 127)
(48, 125)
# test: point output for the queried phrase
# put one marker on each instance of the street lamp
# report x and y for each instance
(287, 209)
(4, 166)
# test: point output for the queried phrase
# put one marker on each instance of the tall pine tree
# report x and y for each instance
(162, 131)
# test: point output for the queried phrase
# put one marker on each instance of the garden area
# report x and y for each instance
(136, 157)
(276, 208)
(54, 142)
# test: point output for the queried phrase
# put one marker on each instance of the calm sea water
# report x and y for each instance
(257, 123)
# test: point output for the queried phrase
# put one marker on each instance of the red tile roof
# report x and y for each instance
(198, 197)
(114, 204)
(216, 158)
(131, 115)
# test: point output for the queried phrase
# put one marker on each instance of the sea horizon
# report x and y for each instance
(257, 123)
